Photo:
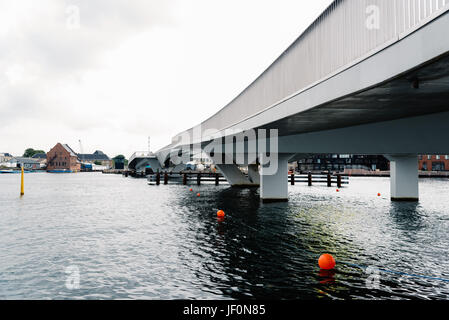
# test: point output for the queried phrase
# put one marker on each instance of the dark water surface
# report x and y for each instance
(129, 240)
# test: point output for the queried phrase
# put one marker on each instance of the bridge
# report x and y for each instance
(140, 160)
(366, 77)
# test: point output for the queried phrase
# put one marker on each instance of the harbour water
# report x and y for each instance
(129, 240)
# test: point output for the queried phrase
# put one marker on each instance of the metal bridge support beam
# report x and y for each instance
(234, 176)
(274, 185)
(404, 177)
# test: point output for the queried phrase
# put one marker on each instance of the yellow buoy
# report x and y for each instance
(21, 184)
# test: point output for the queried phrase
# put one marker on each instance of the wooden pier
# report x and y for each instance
(196, 177)
(192, 177)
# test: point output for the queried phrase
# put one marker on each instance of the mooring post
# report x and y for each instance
(309, 178)
(217, 179)
(198, 179)
(329, 179)
(158, 178)
(292, 178)
(165, 178)
(22, 192)
(184, 179)
(338, 180)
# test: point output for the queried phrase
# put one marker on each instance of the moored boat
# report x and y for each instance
(15, 171)
(60, 171)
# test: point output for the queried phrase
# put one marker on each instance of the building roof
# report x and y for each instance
(5, 154)
(40, 156)
(97, 155)
(72, 153)
(24, 160)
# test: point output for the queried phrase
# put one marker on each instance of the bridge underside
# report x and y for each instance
(421, 91)
(401, 118)
(394, 102)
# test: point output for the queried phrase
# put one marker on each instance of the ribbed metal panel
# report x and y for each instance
(336, 39)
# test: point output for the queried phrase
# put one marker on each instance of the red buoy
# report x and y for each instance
(198, 194)
(191, 189)
(220, 213)
(326, 262)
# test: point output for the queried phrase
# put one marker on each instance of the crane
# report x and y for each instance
(81, 148)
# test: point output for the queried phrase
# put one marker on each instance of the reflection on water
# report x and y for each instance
(132, 240)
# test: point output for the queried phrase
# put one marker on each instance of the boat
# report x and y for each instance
(15, 171)
(10, 171)
(60, 171)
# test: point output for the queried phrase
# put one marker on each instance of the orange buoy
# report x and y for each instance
(326, 262)
(198, 194)
(378, 194)
(220, 213)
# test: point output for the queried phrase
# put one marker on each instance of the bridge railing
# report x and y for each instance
(347, 32)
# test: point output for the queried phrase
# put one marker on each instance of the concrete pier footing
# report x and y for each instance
(404, 177)
(274, 181)
(253, 174)
(234, 176)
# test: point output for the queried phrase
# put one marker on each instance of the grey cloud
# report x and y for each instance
(46, 40)
(56, 55)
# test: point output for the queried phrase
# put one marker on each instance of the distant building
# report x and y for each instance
(98, 157)
(119, 163)
(62, 157)
(340, 162)
(433, 162)
(26, 163)
(5, 157)
(42, 158)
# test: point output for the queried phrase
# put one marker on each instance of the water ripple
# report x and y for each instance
(129, 240)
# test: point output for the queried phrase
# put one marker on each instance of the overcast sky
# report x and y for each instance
(113, 72)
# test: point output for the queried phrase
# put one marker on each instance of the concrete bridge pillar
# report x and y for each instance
(253, 174)
(274, 183)
(234, 176)
(404, 177)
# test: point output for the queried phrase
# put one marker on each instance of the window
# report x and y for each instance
(429, 157)
(447, 157)
(437, 166)
(438, 157)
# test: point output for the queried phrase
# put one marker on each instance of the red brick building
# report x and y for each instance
(434, 162)
(62, 157)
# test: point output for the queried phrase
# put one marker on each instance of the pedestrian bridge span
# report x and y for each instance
(367, 77)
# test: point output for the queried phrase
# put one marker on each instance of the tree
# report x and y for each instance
(31, 152)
